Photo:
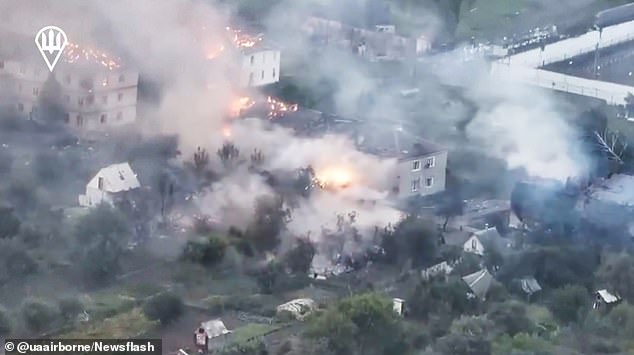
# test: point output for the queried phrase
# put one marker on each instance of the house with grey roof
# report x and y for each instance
(529, 286)
(466, 240)
(479, 283)
(110, 185)
(421, 168)
(605, 299)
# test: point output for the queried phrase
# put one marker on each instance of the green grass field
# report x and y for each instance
(490, 18)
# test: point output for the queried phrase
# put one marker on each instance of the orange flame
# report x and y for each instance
(334, 177)
(74, 52)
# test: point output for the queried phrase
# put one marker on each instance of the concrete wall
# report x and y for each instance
(407, 176)
(260, 68)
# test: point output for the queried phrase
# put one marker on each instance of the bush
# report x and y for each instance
(5, 322)
(19, 264)
(207, 252)
(300, 258)
(69, 308)
(38, 315)
(165, 307)
(9, 223)
(569, 303)
(30, 236)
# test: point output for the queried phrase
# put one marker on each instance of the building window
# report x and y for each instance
(252, 60)
(80, 101)
(273, 73)
(415, 185)
(416, 165)
(100, 183)
(90, 99)
(104, 82)
(429, 182)
(119, 116)
(103, 118)
(36, 92)
(80, 121)
(67, 118)
(262, 74)
(120, 96)
(20, 107)
(474, 244)
(121, 78)
(430, 162)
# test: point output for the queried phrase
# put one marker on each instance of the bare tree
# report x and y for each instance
(201, 159)
(611, 145)
(228, 153)
(256, 158)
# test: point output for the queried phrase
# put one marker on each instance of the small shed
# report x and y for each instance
(479, 282)
(398, 305)
(605, 299)
(299, 307)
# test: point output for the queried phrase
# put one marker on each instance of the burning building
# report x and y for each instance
(268, 107)
(422, 165)
(259, 66)
(93, 89)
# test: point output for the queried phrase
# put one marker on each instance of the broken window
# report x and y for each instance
(102, 118)
(36, 91)
(430, 163)
(80, 121)
(415, 185)
(429, 182)
(273, 73)
(252, 60)
(416, 165)
(20, 107)
(100, 183)
(474, 244)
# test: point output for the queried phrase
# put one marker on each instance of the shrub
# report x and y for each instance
(165, 307)
(206, 252)
(5, 322)
(69, 308)
(38, 315)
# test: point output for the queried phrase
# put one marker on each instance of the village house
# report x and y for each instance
(298, 308)
(441, 269)
(529, 286)
(110, 185)
(260, 65)
(421, 168)
(476, 241)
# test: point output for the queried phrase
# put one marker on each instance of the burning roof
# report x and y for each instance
(235, 38)
(270, 107)
(75, 53)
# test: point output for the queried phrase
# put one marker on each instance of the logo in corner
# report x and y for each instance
(51, 41)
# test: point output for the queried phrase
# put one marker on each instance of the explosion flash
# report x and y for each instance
(240, 105)
(74, 52)
(278, 108)
(334, 177)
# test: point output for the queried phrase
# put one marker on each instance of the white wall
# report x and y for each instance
(406, 175)
(260, 68)
(473, 245)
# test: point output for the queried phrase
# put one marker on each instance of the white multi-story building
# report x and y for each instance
(105, 98)
(260, 66)
(94, 97)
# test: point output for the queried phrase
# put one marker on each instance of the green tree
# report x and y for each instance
(38, 315)
(413, 238)
(19, 263)
(439, 296)
(617, 273)
(510, 317)
(69, 308)
(9, 223)
(99, 262)
(569, 303)
(6, 324)
(467, 336)
(209, 251)
(103, 220)
(164, 307)
(300, 258)
(361, 324)
(270, 219)
(268, 276)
